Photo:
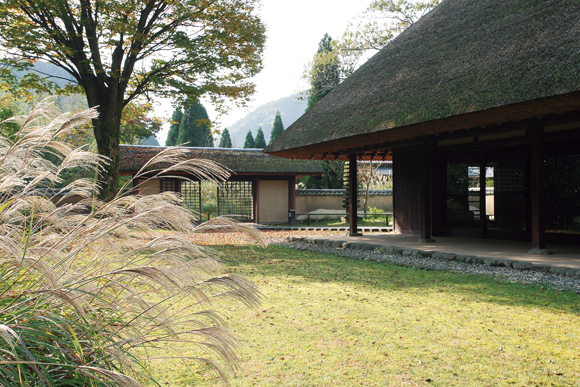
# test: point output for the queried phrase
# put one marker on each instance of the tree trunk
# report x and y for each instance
(107, 134)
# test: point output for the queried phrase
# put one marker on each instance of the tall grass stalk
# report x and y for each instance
(85, 289)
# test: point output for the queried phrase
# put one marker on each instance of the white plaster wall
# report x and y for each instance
(150, 187)
(273, 201)
(309, 203)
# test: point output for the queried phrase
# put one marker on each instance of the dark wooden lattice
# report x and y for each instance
(169, 185)
(235, 200)
(190, 192)
(510, 194)
(191, 195)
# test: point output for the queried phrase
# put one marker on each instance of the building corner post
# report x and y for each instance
(538, 193)
(353, 195)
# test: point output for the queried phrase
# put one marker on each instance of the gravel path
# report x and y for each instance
(554, 281)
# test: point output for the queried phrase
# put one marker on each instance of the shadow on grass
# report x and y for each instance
(277, 261)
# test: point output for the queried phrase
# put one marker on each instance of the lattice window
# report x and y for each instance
(169, 185)
(510, 194)
(191, 195)
(235, 199)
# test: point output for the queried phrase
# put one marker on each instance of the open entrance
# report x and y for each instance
(486, 195)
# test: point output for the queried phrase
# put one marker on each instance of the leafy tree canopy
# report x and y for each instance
(136, 123)
(249, 140)
(382, 21)
(120, 50)
(278, 127)
(260, 141)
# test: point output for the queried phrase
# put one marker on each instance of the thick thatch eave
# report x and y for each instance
(465, 64)
(238, 161)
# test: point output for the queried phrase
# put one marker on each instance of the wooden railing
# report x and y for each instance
(386, 214)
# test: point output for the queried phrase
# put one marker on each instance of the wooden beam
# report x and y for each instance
(353, 195)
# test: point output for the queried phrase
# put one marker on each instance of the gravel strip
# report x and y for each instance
(407, 259)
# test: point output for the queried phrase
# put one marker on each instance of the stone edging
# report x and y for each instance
(519, 265)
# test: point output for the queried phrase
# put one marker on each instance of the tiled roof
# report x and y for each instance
(340, 192)
(240, 161)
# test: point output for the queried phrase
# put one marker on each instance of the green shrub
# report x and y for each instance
(375, 218)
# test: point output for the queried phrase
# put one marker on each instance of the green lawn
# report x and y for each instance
(332, 321)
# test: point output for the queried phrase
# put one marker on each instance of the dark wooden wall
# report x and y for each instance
(407, 167)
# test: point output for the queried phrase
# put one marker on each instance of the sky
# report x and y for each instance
(293, 29)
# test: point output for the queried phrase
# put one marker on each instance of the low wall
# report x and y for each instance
(308, 200)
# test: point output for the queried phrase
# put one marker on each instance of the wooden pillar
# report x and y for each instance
(482, 193)
(256, 194)
(292, 192)
(353, 195)
(292, 200)
(425, 195)
(538, 193)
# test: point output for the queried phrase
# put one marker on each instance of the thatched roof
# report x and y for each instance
(238, 161)
(465, 64)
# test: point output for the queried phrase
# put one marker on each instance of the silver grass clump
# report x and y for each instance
(83, 286)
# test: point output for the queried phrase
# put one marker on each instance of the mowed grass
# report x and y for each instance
(332, 321)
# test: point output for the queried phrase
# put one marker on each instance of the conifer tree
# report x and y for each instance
(277, 128)
(194, 129)
(260, 141)
(174, 128)
(325, 74)
(226, 140)
(249, 140)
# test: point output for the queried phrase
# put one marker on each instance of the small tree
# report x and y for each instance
(277, 128)
(249, 140)
(260, 141)
(194, 129)
(368, 178)
(324, 73)
(136, 124)
(174, 128)
(226, 140)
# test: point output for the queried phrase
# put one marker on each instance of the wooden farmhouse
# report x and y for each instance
(487, 86)
(261, 187)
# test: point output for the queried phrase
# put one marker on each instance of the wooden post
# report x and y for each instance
(292, 200)
(256, 195)
(482, 193)
(292, 192)
(353, 195)
(217, 199)
(426, 190)
(537, 194)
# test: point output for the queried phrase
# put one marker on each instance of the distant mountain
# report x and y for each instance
(290, 110)
(151, 141)
(50, 71)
